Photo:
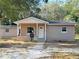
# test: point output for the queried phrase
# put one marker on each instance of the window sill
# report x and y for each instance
(63, 32)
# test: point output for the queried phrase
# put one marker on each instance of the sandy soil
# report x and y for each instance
(31, 50)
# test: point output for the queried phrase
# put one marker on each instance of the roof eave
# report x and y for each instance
(62, 24)
(31, 23)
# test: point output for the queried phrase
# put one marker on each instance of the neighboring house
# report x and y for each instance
(45, 30)
(8, 31)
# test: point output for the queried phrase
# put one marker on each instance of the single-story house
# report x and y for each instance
(45, 30)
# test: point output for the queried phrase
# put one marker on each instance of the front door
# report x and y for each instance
(41, 32)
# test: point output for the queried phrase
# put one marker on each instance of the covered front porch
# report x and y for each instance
(31, 24)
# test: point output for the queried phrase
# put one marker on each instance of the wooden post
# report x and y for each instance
(45, 32)
(17, 29)
(37, 30)
(20, 29)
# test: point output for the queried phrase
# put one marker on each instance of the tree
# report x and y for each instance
(15, 9)
(45, 1)
(52, 12)
(72, 7)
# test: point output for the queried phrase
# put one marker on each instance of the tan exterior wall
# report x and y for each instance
(24, 30)
(12, 31)
(55, 33)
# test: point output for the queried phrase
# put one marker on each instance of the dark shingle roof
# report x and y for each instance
(60, 22)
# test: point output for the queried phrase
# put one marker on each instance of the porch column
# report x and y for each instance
(18, 30)
(37, 30)
(45, 32)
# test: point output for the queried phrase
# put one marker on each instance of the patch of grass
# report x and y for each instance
(6, 43)
(15, 41)
(77, 36)
(62, 55)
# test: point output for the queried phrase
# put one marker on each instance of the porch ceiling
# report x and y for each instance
(30, 20)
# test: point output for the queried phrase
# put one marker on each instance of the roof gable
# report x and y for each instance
(30, 20)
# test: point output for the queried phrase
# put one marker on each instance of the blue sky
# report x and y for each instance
(52, 1)
(56, 0)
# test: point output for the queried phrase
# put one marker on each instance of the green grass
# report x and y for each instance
(77, 36)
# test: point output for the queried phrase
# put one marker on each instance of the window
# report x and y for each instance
(7, 30)
(30, 29)
(64, 29)
(41, 27)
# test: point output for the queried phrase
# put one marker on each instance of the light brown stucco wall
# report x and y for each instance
(55, 33)
(24, 30)
(12, 31)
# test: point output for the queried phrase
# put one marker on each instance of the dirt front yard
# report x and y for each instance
(38, 50)
(62, 55)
